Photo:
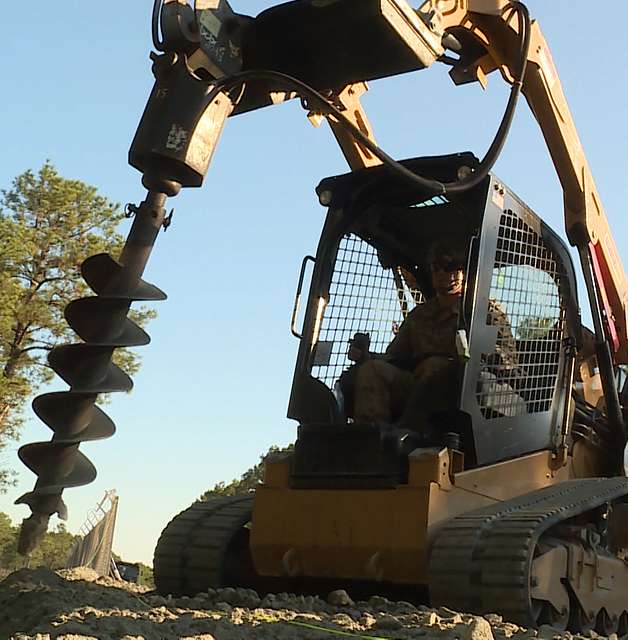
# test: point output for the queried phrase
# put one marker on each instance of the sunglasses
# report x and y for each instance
(446, 265)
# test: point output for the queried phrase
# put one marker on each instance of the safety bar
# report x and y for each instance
(297, 299)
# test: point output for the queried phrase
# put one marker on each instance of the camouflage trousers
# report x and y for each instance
(385, 393)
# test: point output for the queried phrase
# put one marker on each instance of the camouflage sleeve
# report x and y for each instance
(506, 347)
(401, 345)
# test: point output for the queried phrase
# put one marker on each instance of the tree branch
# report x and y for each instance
(47, 347)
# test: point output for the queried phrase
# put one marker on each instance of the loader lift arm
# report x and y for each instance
(214, 63)
(586, 224)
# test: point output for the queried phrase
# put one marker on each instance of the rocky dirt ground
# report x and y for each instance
(78, 605)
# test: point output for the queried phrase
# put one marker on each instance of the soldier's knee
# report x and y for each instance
(435, 365)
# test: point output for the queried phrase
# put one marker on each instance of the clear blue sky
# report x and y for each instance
(213, 390)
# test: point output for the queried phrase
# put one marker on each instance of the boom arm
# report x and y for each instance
(586, 223)
(496, 31)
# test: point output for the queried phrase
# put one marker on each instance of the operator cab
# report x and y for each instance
(370, 272)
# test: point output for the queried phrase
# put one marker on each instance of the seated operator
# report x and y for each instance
(358, 353)
(418, 375)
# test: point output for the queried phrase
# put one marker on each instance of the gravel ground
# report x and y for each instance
(78, 605)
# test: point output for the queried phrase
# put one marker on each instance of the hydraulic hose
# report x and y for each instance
(433, 186)
(158, 43)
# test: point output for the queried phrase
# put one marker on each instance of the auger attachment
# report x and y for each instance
(101, 322)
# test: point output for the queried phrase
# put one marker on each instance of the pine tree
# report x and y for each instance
(247, 481)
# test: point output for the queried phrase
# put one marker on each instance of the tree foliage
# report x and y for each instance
(48, 226)
(146, 579)
(51, 553)
(247, 481)
(535, 327)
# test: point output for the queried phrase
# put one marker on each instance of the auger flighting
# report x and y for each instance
(102, 322)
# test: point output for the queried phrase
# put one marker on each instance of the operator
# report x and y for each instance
(358, 353)
(418, 376)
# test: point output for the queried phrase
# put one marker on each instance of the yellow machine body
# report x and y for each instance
(379, 534)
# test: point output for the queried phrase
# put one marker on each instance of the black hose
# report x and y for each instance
(499, 140)
(158, 43)
(433, 186)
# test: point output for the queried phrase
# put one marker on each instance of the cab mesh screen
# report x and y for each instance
(525, 304)
(364, 297)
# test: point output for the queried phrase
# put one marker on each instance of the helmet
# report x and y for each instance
(447, 250)
(360, 341)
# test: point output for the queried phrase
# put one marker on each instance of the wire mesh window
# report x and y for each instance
(364, 297)
(525, 303)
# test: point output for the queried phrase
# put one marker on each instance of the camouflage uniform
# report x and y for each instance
(419, 373)
(504, 357)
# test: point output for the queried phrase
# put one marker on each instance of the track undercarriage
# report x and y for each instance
(548, 557)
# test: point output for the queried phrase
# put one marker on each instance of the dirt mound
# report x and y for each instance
(77, 605)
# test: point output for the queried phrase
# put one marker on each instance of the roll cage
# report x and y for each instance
(370, 271)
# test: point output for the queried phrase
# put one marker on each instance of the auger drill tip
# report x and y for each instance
(32, 531)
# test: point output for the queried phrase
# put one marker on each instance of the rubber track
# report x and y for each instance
(480, 561)
(191, 549)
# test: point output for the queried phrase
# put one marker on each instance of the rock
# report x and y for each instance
(80, 573)
(547, 632)
(270, 601)
(367, 620)
(198, 602)
(402, 607)
(430, 619)
(227, 594)
(453, 620)
(444, 612)
(247, 598)
(479, 629)
(493, 618)
(340, 598)
(387, 622)
(342, 619)
(379, 603)
(157, 601)
(527, 633)
(223, 606)
(508, 629)
(354, 614)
